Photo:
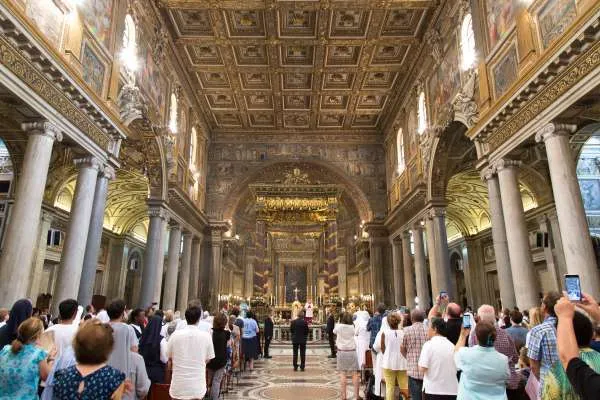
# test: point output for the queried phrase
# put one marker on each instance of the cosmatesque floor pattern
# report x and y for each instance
(275, 379)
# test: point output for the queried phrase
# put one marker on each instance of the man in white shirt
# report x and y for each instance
(189, 349)
(64, 331)
(436, 362)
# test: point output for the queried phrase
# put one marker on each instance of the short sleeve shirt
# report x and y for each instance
(437, 356)
(541, 347)
(20, 373)
(484, 373)
(414, 338)
(99, 385)
(250, 328)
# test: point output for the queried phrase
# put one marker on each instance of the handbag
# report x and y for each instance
(532, 386)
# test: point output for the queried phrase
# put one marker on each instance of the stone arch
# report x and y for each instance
(240, 187)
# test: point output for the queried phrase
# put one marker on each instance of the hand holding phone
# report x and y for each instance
(573, 287)
(466, 321)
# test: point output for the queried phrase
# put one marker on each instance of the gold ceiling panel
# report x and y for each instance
(264, 66)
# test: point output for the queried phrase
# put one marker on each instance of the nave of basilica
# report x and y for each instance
(269, 151)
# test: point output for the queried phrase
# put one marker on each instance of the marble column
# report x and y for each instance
(431, 255)
(153, 256)
(398, 262)
(331, 257)
(505, 279)
(23, 225)
(195, 267)
(77, 232)
(409, 271)
(525, 281)
(216, 267)
(170, 289)
(90, 259)
(260, 270)
(443, 272)
(575, 234)
(421, 268)
(183, 283)
(40, 256)
(376, 260)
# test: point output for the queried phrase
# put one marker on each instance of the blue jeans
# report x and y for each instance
(415, 387)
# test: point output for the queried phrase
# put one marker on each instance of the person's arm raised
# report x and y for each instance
(566, 341)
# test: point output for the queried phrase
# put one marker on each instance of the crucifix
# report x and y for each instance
(296, 294)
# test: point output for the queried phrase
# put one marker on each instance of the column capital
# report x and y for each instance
(434, 212)
(88, 162)
(397, 240)
(406, 235)
(418, 226)
(108, 172)
(506, 163)
(187, 235)
(488, 173)
(553, 129)
(43, 128)
(173, 224)
(157, 211)
(198, 238)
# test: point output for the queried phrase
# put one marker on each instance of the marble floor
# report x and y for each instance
(275, 379)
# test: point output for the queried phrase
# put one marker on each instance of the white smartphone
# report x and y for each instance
(573, 287)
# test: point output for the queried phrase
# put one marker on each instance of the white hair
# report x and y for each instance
(487, 313)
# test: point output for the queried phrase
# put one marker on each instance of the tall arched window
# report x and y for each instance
(173, 114)
(129, 51)
(400, 150)
(422, 114)
(467, 43)
(193, 147)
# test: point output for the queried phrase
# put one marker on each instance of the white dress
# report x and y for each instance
(362, 337)
(378, 361)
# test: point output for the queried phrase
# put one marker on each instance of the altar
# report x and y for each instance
(281, 333)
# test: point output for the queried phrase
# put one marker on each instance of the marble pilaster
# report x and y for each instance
(77, 232)
(398, 262)
(23, 226)
(525, 281)
(195, 267)
(576, 240)
(216, 266)
(421, 268)
(170, 288)
(154, 256)
(410, 289)
(183, 283)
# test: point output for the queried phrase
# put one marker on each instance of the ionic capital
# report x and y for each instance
(506, 163)
(159, 212)
(488, 173)
(552, 129)
(418, 226)
(436, 212)
(406, 235)
(88, 162)
(108, 172)
(43, 128)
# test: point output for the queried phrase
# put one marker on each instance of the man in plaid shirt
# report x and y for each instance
(541, 346)
(415, 337)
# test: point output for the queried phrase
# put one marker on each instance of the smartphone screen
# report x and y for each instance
(466, 320)
(573, 287)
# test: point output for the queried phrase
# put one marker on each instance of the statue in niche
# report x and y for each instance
(296, 177)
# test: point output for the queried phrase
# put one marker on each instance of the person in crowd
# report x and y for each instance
(172, 327)
(125, 339)
(20, 311)
(541, 344)
(556, 383)
(413, 340)
(525, 317)
(454, 322)
(535, 319)
(150, 345)
(484, 370)
(504, 345)
(65, 330)
(299, 332)
(205, 323)
(3, 316)
(268, 334)
(216, 366)
(517, 331)
(235, 342)
(23, 364)
(374, 324)
(189, 367)
(91, 377)
(393, 363)
(524, 366)
(347, 361)
(504, 319)
(596, 340)
(436, 363)
(362, 336)
(584, 379)
(329, 331)
(250, 340)
(102, 315)
(258, 338)
(137, 319)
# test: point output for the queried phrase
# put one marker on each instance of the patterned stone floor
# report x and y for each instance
(275, 379)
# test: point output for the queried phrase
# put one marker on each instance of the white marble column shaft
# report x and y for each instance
(153, 257)
(410, 289)
(183, 283)
(431, 255)
(71, 263)
(170, 289)
(216, 270)
(442, 257)
(525, 281)
(398, 263)
(23, 225)
(505, 279)
(195, 268)
(421, 268)
(574, 229)
(90, 259)
(40, 256)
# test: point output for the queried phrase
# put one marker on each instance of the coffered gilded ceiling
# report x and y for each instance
(275, 65)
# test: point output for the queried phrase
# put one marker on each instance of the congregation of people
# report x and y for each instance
(548, 352)
(117, 353)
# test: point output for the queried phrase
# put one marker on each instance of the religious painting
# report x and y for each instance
(500, 19)
(295, 281)
(505, 72)
(48, 18)
(151, 79)
(445, 81)
(97, 16)
(554, 19)
(93, 69)
(590, 193)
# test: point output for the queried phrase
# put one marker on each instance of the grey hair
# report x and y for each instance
(487, 313)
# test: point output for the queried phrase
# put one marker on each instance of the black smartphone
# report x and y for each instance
(467, 320)
(573, 287)
(443, 294)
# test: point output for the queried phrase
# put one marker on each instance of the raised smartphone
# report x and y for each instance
(466, 321)
(573, 287)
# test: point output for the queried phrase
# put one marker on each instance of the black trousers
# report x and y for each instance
(302, 348)
(267, 344)
(332, 343)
